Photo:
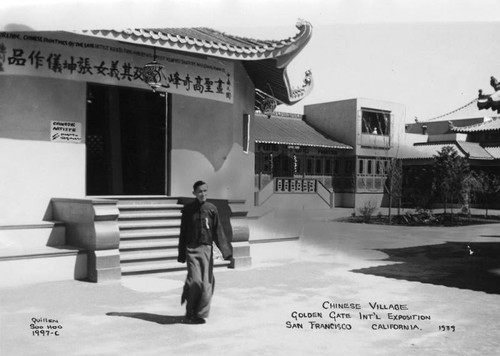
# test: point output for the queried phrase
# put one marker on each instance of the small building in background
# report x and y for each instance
(292, 157)
(340, 151)
(375, 131)
(473, 134)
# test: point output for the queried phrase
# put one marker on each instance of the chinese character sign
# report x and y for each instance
(68, 56)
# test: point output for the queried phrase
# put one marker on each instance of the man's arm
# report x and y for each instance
(220, 238)
(181, 257)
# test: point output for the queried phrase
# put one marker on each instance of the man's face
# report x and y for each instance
(201, 193)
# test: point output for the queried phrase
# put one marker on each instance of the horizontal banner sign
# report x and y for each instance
(76, 57)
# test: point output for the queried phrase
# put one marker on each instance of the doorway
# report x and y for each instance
(126, 141)
(283, 165)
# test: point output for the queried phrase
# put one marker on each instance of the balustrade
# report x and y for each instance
(295, 185)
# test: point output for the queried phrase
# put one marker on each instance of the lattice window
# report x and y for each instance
(279, 185)
(95, 147)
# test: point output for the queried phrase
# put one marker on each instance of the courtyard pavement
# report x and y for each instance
(333, 298)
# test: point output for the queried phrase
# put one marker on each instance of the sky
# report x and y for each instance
(432, 56)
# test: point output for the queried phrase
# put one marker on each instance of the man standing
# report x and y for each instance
(200, 228)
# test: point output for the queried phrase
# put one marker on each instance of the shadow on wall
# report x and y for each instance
(57, 237)
(474, 266)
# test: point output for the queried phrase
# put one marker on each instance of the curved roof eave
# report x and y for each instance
(274, 82)
(208, 42)
(271, 77)
(265, 61)
(489, 125)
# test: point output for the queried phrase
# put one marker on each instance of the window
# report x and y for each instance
(319, 165)
(375, 122)
(310, 164)
(336, 166)
(372, 166)
(380, 167)
(348, 167)
(263, 163)
(298, 164)
(285, 164)
(328, 166)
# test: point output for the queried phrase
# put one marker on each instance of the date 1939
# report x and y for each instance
(450, 328)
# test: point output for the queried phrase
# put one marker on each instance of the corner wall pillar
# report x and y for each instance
(92, 224)
(241, 234)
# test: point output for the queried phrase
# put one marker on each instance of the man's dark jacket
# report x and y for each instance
(200, 225)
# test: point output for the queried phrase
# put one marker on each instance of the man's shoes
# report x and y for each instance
(195, 320)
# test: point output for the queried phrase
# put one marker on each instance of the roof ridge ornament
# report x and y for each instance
(490, 101)
(302, 23)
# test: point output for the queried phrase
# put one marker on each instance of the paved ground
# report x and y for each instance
(251, 308)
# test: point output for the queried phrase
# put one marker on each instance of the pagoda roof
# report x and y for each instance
(471, 150)
(488, 125)
(266, 61)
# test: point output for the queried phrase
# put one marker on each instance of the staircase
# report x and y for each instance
(149, 234)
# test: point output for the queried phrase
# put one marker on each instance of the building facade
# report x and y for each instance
(96, 123)
(293, 158)
(476, 138)
(342, 151)
(374, 129)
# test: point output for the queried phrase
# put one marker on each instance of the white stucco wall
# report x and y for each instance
(207, 144)
(34, 169)
(337, 119)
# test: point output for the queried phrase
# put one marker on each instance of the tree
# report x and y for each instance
(451, 175)
(393, 183)
(487, 186)
(418, 186)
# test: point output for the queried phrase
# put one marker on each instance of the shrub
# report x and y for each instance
(367, 211)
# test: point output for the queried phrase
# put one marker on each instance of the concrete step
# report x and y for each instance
(135, 197)
(149, 224)
(143, 200)
(148, 255)
(161, 266)
(136, 234)
(148, 244)
(145, 215)
(151, 206)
